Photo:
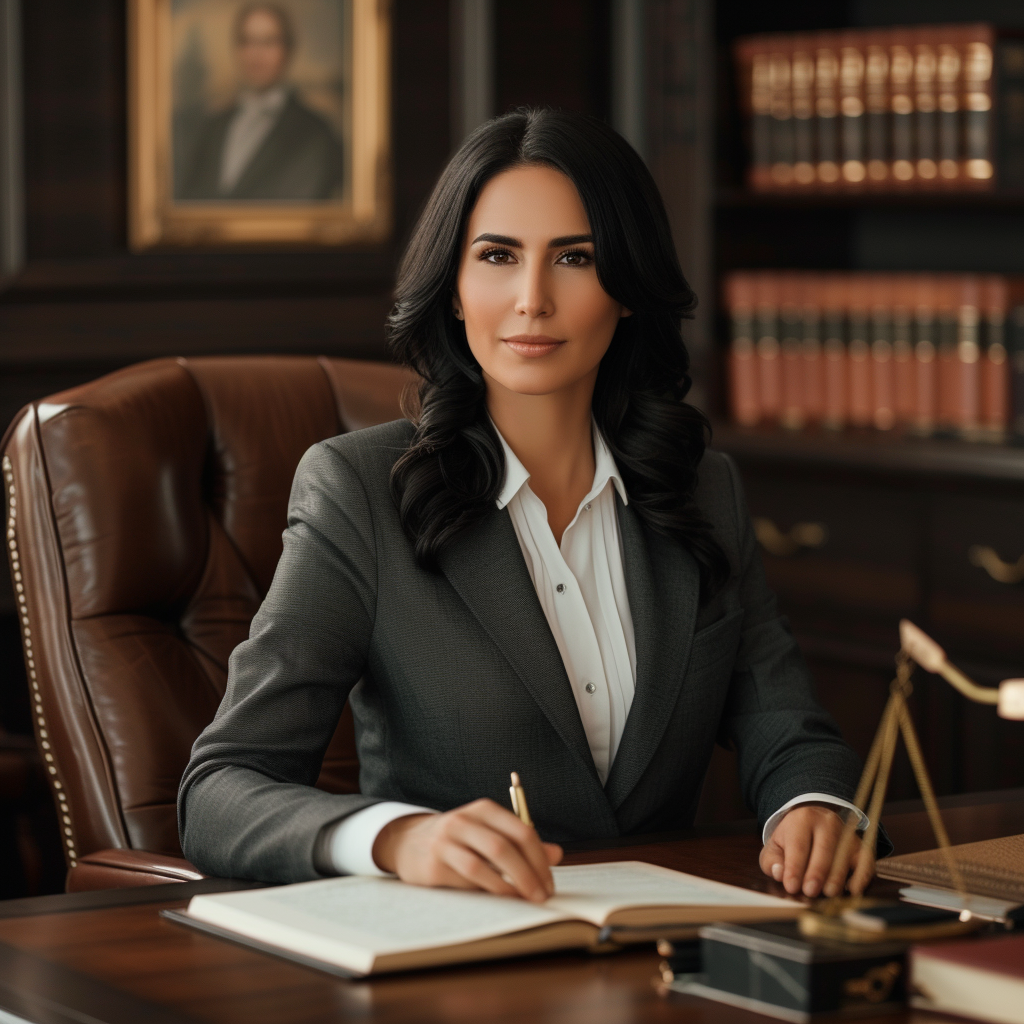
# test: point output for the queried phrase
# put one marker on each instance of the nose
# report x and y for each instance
(534, 298)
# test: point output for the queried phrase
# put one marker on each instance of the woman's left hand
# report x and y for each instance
(799, 854)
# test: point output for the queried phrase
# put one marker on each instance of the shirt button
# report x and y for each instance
(590, 688)
(560, 588)
(587, 506)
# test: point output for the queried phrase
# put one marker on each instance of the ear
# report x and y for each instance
(457, 308)
(625, 312)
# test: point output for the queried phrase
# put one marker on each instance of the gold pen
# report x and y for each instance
(519, 800)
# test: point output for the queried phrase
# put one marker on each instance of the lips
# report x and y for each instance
(532, 345)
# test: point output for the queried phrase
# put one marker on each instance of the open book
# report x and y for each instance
(360, 926)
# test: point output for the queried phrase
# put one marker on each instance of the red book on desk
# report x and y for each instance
(981, 979)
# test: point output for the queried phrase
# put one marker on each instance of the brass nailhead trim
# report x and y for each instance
(30, 664)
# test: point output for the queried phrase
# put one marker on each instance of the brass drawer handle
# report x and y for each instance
(1002, 572)
(785, 545)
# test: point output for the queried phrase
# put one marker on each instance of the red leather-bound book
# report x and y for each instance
(926, 366)
(967, 394)
(769, 361)
(861, 406)
(904, 375)
(812, 289)
(995, 366)
(883, 384)
(947, 297)
(791, 329)
(744, 399)
(982, 979)
(833, 351)
(755, 99)
(826, 109)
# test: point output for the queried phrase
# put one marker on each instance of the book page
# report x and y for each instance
(594, 891)
(351, 920)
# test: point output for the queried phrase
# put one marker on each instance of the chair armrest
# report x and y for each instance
(121, 869)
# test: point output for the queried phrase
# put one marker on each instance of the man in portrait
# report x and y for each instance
(269, 145)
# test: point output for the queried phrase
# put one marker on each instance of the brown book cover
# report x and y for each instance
(744, 400)
(926, 107)
(949, 88)
(791, 347)
(826, 108)
(813, 361)
(901, 103)
(876, 96)
(967, 395)
(860, 400)
(802, 93)
(976, 53)
(780, 94)
(904, 376)
(926, 378)
(883, 384)
(995, 367)
(833, 350)
(769, 362)
(851, 108)
(993, 868)
(755, 101)
(947, 296)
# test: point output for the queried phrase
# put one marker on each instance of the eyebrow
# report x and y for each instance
(516, 243)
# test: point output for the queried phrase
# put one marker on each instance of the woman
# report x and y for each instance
(546, 573)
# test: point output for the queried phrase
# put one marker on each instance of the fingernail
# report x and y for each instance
(777, 872)
(831, 890)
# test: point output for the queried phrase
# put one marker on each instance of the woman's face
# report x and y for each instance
(537, 319)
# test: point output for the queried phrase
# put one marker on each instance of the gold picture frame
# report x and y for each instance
(359, 213)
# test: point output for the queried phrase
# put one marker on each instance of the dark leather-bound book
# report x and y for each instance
(755, 101)
(851, 108)
(945, 345)
(977, 44)
(883, 383)
(1010, 113)
(926, 377)
(966, 407)
(926, 107)
(982, 980)
(769, 362)
(791, 329)
(1015, 350)
(876, 96)
(826, 108)
(813, 362)
(901, 103)
(995, 367)
(949, 89)
(780, 91)
(802, 78)
(861, 406)
(744, 400)
(904, 375)
(833, 351)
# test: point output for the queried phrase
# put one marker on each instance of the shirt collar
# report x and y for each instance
(269, 100)
(605, 469)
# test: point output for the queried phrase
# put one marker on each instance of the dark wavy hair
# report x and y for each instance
(450, 476)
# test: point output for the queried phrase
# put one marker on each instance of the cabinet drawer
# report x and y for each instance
(976, 563)
(831, 550)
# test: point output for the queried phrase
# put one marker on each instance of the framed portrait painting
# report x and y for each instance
(257, 123)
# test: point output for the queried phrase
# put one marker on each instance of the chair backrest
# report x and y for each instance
(145, 513)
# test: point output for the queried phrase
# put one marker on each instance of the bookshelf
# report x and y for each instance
(903, 516)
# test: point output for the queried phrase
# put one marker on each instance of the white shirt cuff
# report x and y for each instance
(842, 807)
(351, 841)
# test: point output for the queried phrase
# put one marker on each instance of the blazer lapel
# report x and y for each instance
(487, 570)
(663, 584)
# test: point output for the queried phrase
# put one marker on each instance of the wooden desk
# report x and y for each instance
(109, 957)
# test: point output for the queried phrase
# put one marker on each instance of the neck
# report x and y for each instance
(551, 436)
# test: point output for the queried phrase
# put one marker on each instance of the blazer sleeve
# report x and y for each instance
(246, 806)
(786, 743)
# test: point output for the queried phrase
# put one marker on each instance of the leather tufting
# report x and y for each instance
(145, 518)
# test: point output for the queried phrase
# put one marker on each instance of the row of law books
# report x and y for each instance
(933, 353)
(902, 109)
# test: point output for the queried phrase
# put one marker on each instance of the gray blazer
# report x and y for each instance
(455, 680)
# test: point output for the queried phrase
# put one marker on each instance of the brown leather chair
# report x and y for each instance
(145, 513)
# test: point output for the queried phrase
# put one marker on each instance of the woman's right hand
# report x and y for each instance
(477, 846)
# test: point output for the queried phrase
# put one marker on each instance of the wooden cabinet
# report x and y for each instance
(861, 530)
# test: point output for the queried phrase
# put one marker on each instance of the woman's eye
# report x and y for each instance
(499, 256)
(576, 258)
